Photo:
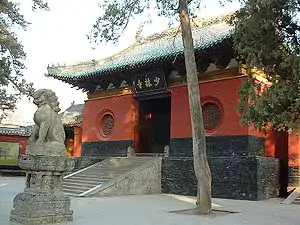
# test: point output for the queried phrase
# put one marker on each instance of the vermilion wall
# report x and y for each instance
(123, 109)
(77, 141)
(15, 139)
(225, 91)
(294, 150)
(270, 142)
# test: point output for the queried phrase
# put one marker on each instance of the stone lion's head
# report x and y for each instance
(46, 97)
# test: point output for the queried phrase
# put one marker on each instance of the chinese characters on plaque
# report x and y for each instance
(149, 82)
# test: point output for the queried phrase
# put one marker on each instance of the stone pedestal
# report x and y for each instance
(43, 201)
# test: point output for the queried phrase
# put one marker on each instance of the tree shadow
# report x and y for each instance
(194, 212)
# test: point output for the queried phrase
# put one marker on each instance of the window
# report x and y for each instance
(107, 125)
(211, 116)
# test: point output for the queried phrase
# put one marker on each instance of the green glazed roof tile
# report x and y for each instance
(148, 51)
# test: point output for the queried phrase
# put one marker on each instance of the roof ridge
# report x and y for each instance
(95, 62)
(19, 131)
(207, 34)
(196, 23)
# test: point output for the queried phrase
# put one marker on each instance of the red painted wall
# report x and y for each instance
(77, 141)
(15, 139)
(294, 150)
(225, 91)
(123, 109)
(270, 142)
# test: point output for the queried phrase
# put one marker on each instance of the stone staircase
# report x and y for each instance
(293, 198)
(116, 176)
(296, 201)
(297, 196)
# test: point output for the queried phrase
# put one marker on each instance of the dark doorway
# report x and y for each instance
(69, 141)
(281, 152)
(154, 125)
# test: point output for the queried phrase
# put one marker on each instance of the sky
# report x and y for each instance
(59, 36)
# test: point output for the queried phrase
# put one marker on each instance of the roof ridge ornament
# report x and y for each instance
(98, 88)
(196, 23)
(138, 35)
(124, 84)
(160, 47)
(211, 68)
(111, 86)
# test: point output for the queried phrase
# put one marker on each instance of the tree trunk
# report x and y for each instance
(202, 171)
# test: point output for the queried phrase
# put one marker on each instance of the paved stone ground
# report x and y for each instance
(156, 209)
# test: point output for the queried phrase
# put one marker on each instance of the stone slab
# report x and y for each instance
(29, 208)
(142, 179)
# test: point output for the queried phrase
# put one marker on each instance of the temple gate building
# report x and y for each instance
(13, 139)
(139, 98)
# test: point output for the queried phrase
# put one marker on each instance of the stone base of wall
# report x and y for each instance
(85, 161)
(221, 146)
(37, 208)
(106, 148)
(294, 176)
(139, 180)
(248, 178)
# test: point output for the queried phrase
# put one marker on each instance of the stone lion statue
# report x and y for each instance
(130, 151)
(48, 135)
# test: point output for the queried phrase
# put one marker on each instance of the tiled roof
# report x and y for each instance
(149, 50)
(20, 131)
(72, 115)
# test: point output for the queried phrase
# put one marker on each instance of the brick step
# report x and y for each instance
(76, 189)
(90, 176)
(72, 191)
(297, 201)
(90, 181)
(106, 177)
(110, 168)
(71, 194)
(113, 168)
(84, 178)
(100, 173)
(79, 181)
(117, 167)
(109, 175)
(121, 164)
(87, 182)
(107, 170)
(80, 185)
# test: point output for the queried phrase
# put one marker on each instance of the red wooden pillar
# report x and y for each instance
(77, 141)
(294, 160)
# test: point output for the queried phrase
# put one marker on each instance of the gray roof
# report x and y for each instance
(19, 131)
(72, 115)
(150, 50)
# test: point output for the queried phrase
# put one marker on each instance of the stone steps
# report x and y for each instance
(85, 178)
(79, 185)
(297, 201)
(72, 191)
(293, 198)
(297, 196)
(91, 178)
(79, 181)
